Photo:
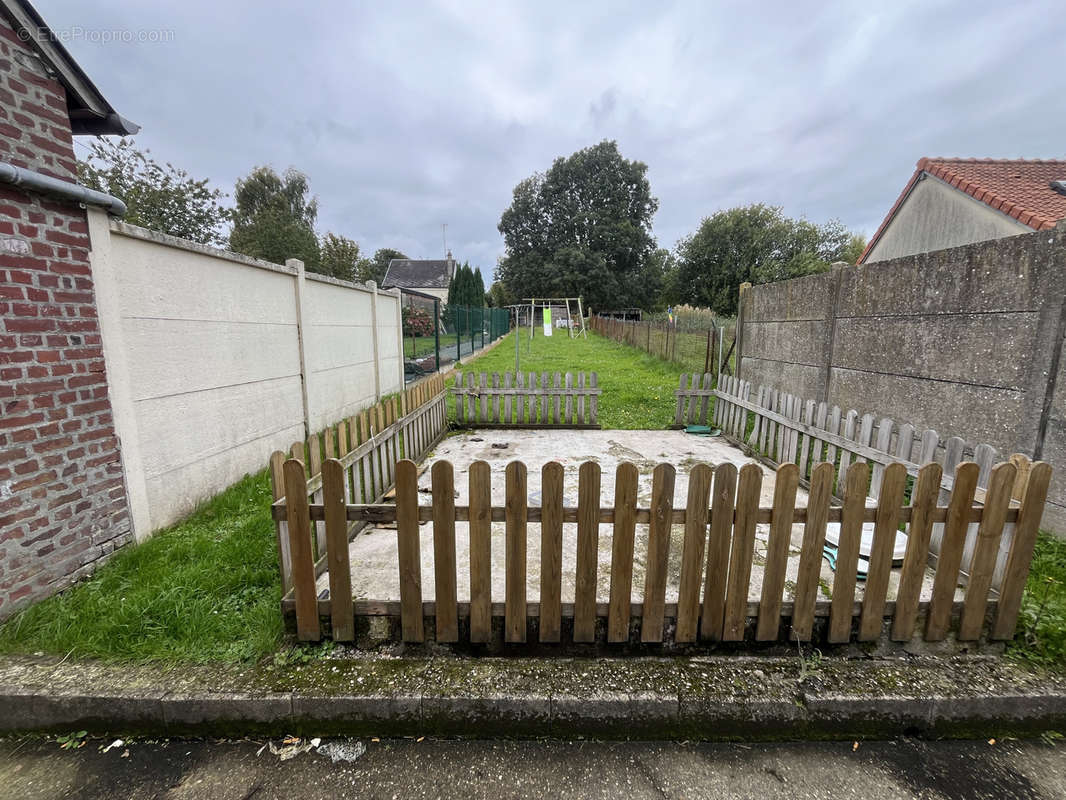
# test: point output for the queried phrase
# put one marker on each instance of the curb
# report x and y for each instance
(717, 700)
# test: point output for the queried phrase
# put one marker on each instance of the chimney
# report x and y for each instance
(449, 263)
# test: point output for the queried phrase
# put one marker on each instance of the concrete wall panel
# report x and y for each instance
(964, 341)
(210, 344)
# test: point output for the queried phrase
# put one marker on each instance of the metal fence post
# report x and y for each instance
(436, 333)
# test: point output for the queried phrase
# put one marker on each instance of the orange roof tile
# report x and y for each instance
(1019, 188)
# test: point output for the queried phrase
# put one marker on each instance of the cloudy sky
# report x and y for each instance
(409, 115)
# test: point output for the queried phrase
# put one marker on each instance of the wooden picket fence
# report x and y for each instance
(719, 522)
(367, 447)
(784, 428)
(514, 401)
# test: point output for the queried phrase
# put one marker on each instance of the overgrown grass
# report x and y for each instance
(638, 389)
(204, 590)
(1041, 638)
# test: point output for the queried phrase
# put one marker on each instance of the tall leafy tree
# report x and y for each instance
(755, 243)
(374, 269)
(339, 256)
(160, 197)
(275, 216)
(581, 228)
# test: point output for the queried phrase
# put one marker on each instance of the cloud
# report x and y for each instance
(406, 116)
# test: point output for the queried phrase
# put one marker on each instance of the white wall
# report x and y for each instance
(206, 373)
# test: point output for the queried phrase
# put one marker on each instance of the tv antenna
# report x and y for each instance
(444, 235)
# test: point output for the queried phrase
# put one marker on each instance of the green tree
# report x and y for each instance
(339, 257)
(160, 197)
(466, 287)
(498, 297)
(755, 243)
(374, 269)
(275, 218)
(583, 228)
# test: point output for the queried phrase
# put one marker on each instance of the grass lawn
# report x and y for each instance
(207, 589)
(418, 346)
(638, 390)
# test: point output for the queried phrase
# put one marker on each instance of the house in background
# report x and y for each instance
(950, 202)
(426, 276)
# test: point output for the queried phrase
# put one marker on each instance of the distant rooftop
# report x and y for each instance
(1023, 189)
(409, 273)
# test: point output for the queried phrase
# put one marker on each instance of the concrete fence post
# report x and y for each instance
(745, 295)
(373, 287)
(837, 268)
(300, 294)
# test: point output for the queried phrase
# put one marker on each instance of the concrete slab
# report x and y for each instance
(373, 552)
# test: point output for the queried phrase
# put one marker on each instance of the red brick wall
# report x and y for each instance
(62, 495)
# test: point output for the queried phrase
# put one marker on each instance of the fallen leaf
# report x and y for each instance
(991, 741)
(854, 746)
(420, 738)
(125, 754)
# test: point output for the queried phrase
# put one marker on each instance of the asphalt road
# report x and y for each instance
(34, 769)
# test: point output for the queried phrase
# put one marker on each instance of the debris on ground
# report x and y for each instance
(500, 445)
(292, 746)
(116, 743)
(337, 749)
(342, 749)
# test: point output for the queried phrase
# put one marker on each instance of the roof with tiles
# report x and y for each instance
(1019, 188)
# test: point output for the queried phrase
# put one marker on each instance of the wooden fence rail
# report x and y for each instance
(716, 555)
(367, 446)
(785, 428)
(527, 400)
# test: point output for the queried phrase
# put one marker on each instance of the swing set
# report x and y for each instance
(546, 304)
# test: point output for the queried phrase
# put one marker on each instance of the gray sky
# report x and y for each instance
(408, 115)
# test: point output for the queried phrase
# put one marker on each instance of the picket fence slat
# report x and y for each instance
(950, 557)
(858, 475)
(588, 529)
(811, 553)
(515, 553)
(990, 529)
(688, 597)
(741, 553)
(625, 525)
(886, 525)
(773, 582)
(444, 562)
(303, 572)
(551, 551)
(1021, 551)
(408, 551)
(480, 531)
(723, 502)
(340, 574)
(662, 503)
(923, 501)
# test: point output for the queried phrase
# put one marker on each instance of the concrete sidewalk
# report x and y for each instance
(694, 698)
